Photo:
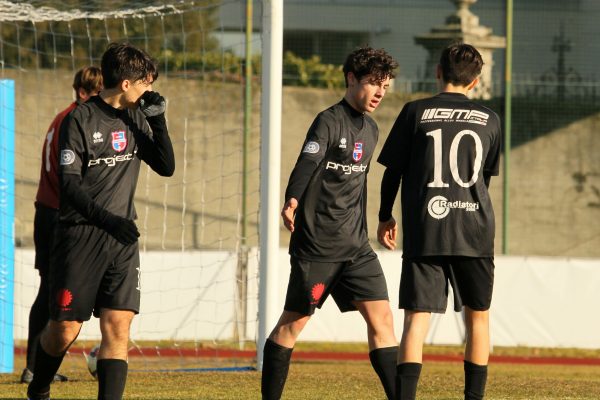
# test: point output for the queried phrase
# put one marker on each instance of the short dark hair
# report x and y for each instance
(460, 63)
(122, 61)
(368, 61)
(88, 79)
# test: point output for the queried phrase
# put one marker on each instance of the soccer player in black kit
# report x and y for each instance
(445, 150)
(95, 260)
(87, 82)
(324, 208)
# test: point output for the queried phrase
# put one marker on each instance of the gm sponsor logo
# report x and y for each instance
(455, 115)
(347, 169)
(439, 206)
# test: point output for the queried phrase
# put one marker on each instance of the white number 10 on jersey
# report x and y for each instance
(438, 182)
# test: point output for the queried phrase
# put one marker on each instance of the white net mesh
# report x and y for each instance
(197, 288)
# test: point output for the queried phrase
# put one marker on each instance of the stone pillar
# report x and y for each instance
(462, 26)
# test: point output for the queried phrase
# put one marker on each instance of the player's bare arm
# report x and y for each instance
(288, 212)
(387, 232)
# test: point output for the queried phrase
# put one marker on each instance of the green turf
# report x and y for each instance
(326, 380)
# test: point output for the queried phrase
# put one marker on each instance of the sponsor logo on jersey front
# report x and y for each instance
(347, 169)
(119, 140)
(342, 143)
(111, 161)
(67, 157)
(455, 115)
(98, 137)
(358, 151)
(311, 148)
(439, 206)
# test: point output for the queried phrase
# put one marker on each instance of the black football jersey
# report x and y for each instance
(443, 146)
(330, 222)
(104, 147)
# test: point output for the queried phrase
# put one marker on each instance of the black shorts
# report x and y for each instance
(424, 283)
(91, 270)
(44, 223)
(311, 282)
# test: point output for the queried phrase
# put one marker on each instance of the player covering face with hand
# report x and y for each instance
(444, 149)
(324, 209)
(95, 265)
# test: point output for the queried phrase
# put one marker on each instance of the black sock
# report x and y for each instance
(112, 375)
(407, 377)
(276, 363)
(43, 372)
(475, 379)
(383, 361)
(38, 317)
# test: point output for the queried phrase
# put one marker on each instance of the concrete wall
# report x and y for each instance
(541, 302)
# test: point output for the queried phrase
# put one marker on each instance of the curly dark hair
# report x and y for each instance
(369, 61)
(460, 63)
(123, 61)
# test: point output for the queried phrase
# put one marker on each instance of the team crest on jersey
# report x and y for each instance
(358, 151)
(119, 140)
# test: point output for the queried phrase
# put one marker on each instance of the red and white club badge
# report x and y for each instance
(119, 140)
(358, 151)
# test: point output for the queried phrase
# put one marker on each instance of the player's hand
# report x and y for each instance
(387, 232)
(288, 212)
(152, 104)
(122, 229)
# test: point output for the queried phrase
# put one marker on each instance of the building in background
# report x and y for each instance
(331, 28)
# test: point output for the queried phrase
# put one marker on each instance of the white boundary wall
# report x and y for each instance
(538, 301)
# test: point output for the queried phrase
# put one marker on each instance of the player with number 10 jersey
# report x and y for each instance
(444, 147)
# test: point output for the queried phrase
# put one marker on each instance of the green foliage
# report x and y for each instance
(79, 42)
(311, 72)
(226, 66)
(182, 42)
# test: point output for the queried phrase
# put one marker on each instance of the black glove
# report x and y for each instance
(122, 229)
(152, 104)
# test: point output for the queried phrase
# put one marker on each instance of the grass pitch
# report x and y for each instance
(321, 380)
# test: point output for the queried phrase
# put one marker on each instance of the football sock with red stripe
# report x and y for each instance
(44, 369)
(112, 375)
(383, 361)
(407, 378)
(475, 379)
(276, 363)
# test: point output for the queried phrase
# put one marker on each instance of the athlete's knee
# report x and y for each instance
(289, 326)
(476, 317)
(115, 325)
(58, 336)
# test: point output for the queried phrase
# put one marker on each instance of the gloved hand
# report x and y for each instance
(152, 104)
(122, 229)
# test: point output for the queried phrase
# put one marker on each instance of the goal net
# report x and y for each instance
(198, 259)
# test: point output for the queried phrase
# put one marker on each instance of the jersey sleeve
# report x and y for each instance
(492, 161)
(313, 151)
(71, 146)
(395, 153)
(154, 145)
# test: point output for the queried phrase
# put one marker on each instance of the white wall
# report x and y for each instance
(545, 302)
